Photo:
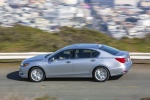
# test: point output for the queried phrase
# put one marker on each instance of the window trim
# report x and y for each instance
(87, 49)
(63, 51)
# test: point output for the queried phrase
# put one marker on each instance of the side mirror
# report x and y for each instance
(52, 59)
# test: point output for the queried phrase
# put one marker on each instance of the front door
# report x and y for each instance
(60, 64)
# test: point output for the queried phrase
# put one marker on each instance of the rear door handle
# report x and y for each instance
(92, 60)
(68, 61)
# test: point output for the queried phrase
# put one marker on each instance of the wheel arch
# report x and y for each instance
(36, 67)
(101, 66)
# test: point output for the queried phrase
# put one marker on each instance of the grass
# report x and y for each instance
(17, 97)
(10, 63)
(146, 98)
(14, 97)
(27, 39)
(46, 98)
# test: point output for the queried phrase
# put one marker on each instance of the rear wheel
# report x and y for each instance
(101, 74)
(36, 74)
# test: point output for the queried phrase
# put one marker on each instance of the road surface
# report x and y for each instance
(132, 86)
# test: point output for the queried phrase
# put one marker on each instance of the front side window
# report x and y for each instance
(67, 54)
(86, 53)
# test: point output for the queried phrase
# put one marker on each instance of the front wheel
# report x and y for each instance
(101, 74)
(36, 75)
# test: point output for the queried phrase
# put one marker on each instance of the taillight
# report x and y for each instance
(122, 60)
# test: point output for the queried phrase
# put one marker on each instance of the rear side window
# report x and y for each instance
(110, 50)
(86, 53)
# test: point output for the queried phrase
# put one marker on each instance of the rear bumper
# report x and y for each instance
(122, 69)
(128, 67)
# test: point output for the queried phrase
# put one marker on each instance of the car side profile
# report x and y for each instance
(78, 60)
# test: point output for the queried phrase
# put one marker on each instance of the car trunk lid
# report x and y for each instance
(123, 56)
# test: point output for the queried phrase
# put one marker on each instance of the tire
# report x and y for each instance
(36, 74)
(101, 74)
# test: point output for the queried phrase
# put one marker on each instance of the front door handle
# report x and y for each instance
(68, 61)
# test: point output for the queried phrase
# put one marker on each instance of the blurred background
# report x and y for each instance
(47, 25)
(44, 26)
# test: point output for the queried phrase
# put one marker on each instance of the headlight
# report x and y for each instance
(21, 64)
(25, 65)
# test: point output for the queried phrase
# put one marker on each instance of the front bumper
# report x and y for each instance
(23, 72)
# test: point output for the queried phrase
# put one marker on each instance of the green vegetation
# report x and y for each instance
(45, 98)
(17, 97)
(147, 98)
(27, 39)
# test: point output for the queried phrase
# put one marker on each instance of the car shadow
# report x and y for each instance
(115, 77)
(15, 76)
(70, 79)
(81, 79)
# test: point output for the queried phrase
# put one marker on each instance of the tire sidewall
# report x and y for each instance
(31, 77)
(108, 74)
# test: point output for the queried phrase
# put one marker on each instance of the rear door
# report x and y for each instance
(85, 60)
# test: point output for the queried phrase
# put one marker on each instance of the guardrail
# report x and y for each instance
(140, 56)
(24, 55)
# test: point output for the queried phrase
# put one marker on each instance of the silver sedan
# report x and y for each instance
(79, 60)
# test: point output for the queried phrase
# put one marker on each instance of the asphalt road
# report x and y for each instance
(132, 86)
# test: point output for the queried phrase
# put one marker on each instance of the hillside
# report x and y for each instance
(26, 39)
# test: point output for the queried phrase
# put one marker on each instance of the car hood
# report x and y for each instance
(35, 58)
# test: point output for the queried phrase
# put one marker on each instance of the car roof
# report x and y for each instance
(84, 46)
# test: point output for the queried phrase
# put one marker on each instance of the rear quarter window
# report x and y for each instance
(110, 50)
